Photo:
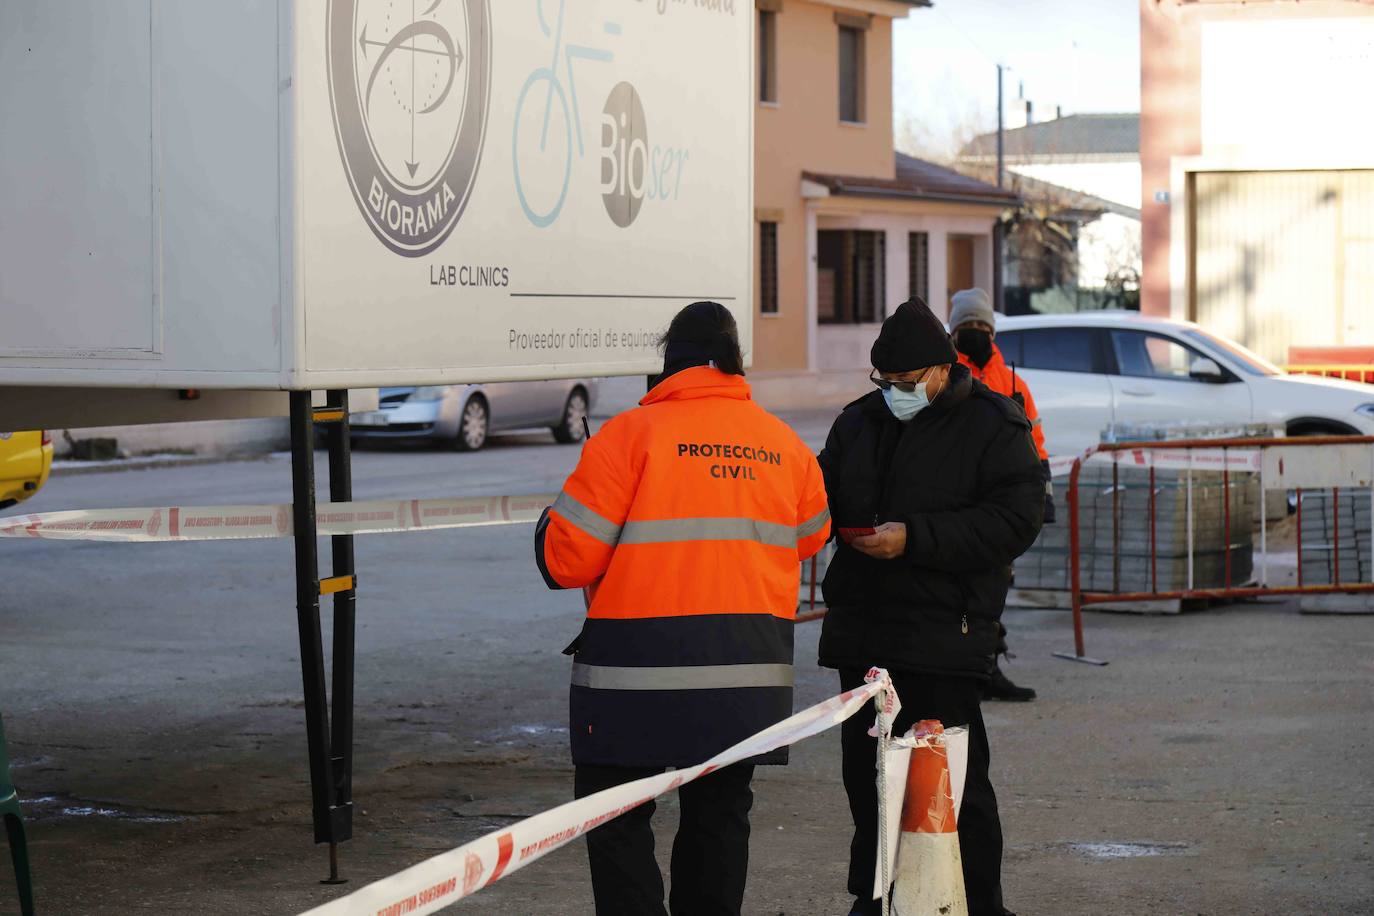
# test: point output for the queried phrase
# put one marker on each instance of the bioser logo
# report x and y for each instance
(410, 85)
(624, 155)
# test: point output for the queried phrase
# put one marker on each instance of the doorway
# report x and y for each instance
(959, 266)
(1283, 259)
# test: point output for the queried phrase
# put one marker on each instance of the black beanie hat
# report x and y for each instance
(912, 338)
(702, 332)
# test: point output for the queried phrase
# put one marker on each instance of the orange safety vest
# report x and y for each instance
(688, 518)
(998, 376)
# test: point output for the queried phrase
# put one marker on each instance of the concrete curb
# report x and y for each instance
(133, 464)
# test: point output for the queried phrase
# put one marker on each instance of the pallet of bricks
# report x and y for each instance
(1115, 531)
(1335, 530)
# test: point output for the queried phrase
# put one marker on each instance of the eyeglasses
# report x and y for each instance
(908, 387)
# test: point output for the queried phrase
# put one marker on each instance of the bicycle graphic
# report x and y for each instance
(572, 115)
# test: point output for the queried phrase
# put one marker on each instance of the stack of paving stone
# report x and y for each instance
(1117, 559)
(1156, 432)
(1323, 515)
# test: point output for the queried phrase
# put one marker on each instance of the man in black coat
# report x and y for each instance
(945, 473)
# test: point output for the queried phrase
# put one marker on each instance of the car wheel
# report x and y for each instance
(1320, 428)
(571, 429)
(473, 426)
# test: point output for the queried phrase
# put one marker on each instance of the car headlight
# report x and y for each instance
(1366, 410)
(428, 393)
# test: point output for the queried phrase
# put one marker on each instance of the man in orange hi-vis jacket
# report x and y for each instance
(973, 325)
(973, 328)
(688, 519)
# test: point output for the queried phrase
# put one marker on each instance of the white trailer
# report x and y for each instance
(353, 193)
(263, 199)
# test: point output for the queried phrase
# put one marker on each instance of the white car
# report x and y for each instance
(1090, 372)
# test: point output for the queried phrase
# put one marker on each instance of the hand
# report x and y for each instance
(887, 541)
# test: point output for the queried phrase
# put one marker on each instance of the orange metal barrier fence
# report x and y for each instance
(1326, 464)
(1354, 372)
(811, 577)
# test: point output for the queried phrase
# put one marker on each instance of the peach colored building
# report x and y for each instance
(1257, 158)
(846, 227)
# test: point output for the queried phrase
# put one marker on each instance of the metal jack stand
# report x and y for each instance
(330, 737)
(1075, 576)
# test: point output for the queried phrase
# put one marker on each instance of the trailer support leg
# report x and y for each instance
(331, 759)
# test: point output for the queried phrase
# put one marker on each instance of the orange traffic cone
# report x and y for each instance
(929, 875)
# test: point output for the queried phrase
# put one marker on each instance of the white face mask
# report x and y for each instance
(906, 404)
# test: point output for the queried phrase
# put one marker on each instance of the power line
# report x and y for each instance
(967, 37)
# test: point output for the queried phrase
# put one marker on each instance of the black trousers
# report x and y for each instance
(710, 854)
(954, 701)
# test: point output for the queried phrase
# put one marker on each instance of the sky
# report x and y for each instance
(1081, 55)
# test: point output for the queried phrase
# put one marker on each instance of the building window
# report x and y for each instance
(851, 74)
(1057, 349)
(768, 56)
(851, 273)
(768, 268)
(1144, 355)
(918, 266)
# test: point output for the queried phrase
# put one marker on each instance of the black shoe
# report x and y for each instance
(999, 687)
(865, 907)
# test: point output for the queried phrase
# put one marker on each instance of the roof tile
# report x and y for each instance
(919, 180)
(1074, 135)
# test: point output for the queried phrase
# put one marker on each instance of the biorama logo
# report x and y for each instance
(410, 101)
(410, 98)
(631, 169)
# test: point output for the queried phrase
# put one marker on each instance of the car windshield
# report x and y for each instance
(1249, 362)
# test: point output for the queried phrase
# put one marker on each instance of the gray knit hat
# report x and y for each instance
(971, 305)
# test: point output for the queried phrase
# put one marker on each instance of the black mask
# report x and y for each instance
(975, 343)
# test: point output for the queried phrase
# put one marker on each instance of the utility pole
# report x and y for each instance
(997, 234)
(999, 125)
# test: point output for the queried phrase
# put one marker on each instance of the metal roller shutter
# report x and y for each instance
(1284, 259)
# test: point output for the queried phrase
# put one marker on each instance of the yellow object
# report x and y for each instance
(336, 584)
(1352, 371)
(25, 462)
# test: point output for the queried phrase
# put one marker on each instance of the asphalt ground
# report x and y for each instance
(1222, 763)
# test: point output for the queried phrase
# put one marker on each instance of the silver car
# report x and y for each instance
(463, 416)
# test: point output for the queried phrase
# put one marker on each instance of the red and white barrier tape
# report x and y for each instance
(1202, 459)
(212, 523)
(449, 877)
(207, 523)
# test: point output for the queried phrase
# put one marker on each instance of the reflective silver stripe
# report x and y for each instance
(685, 677)
(1035, 422)
(808, 528)
(597, 526)
(709, 529)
